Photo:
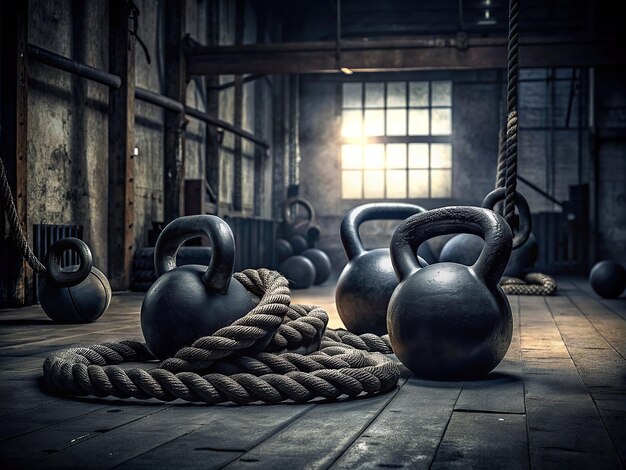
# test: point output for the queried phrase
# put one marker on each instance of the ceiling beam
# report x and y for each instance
(377, 55)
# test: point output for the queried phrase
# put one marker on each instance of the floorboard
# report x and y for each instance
(557, 400)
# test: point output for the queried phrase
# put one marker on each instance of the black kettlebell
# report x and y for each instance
(74, 294)
(188, 302)
(299, 271)
(299, 243)
(321, 262)
(282, 249)
(449, 321)
(291, 226)
(465, 248)
(313, 234)
(367, 282)
(608, 279)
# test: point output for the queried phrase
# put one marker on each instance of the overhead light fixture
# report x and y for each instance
(346, 70)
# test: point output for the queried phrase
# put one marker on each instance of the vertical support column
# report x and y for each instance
(278, 149)
(213, 158)
(260, 113)
(238, 118)
(16, 280)
(175, 88)
(121, 147)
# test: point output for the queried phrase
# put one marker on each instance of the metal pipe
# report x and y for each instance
(177, 106)
(202, 116)
(60, 62)
(159, 100)
(246, 79)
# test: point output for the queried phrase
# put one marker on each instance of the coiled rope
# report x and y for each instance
(14, 223)
(532, 284)
(223, 367)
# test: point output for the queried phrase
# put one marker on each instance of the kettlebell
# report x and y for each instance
(299, 243)
(321, 262)
(290, 227)
(75, 294)
(188, 302)
(299, 271)
(465, 248)
(447, 320)
(608, 279)
(282, 249)
(367, 282)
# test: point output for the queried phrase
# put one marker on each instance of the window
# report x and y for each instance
(396, 140)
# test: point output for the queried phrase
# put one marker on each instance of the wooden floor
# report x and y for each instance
(558, 400)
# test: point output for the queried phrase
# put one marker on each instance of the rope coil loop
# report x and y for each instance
(223, 367)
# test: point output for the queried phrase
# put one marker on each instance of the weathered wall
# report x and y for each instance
(67, 122)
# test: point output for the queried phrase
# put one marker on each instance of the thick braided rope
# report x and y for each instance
(511, 99)
(224, 368)
(16, 227)
(532, 284)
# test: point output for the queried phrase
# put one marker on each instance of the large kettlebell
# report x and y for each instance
(75, 294)
(188, 302)
(449, 321)
(367, 282)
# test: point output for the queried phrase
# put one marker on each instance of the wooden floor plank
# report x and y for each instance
(599, 363)
(408, 431)
(224, 434)
(320, 436)
(484, 440)
(565, 429)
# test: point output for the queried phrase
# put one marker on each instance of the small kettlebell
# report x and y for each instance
(188, 302)
(299, 271)
(282, 249)
(367, 282)
(321, 261)
(75, 294)
(447, 320)
(608, 279)
(290, 226)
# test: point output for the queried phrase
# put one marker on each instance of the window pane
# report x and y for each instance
(396, 183)
(351, 123)
(374, 157)
(351, 157)
(418, 122)
(352, 95)
(418, 183)
(396, 94)
(418, 155)
(441, 181)
(441, 156)
(396, 122)
(418, 92)
(441, 93)
(351, 184)
(373, 184)
(374, 122)
(396, 155)
(375, 95)
(441, 121)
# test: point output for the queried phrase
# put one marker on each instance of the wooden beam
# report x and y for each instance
(238, 118)
(16, 280)
(175, 88)
(121, 147)
(374, 55)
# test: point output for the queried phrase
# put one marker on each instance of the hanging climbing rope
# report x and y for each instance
(16, 227)
(221, 367)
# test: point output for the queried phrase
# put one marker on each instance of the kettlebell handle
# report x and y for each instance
(525, 219)
(485, 223)
(53, 262)
(220, 270)
(350, 224)
(295, 201)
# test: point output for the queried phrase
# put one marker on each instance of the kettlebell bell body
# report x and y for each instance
(299, 271)
(74, 294)
(608, 279)
(189, 302)
(282, 249)
(321, 262)
(447, 320)
(368, 280)
(299, 243)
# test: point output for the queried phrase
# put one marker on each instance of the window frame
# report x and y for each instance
(407, 139)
